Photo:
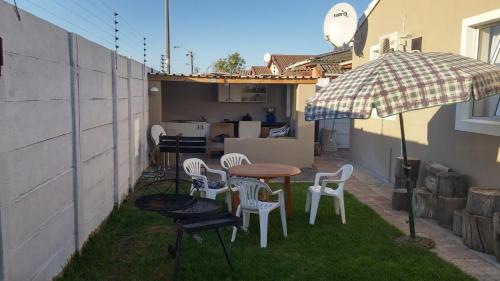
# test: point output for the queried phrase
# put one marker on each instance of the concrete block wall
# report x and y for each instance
(73, 141)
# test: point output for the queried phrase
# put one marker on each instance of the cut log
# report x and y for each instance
(457, 222)
(483, 201)
(434, 168)
(423, 203)
(496, 231)
(399, 174)
(443, 211)
(477, 233)
(400, 199)
(400, 182)
(431, 183)
(452, 184)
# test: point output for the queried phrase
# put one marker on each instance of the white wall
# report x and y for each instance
(72, 142)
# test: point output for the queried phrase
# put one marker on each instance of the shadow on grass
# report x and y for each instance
(132, 245)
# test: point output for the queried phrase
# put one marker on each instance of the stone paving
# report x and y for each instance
(377, 195)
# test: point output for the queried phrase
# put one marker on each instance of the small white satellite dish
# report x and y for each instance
(267, 57)
(340, 24)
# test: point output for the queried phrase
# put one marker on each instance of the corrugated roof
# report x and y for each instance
(245, 72)
(233, 78)
(333, 57)
(260, 70)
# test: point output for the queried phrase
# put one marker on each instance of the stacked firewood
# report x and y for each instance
(481, 221)
(444, 191)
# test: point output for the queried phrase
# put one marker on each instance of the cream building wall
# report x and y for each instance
(431, 133)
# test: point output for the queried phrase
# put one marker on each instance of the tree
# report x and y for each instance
(231, 64)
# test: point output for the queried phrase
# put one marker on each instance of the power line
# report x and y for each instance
(68, 21)
(132, 46)
(132, 29)
(108, 23)
(82, 17)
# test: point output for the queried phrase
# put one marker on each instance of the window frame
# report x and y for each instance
(469, 44)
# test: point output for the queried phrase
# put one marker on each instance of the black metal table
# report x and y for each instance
(195, 225)
(191, 215)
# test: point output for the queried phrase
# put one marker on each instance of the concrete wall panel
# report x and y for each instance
(122, 88)
(36, 164)
(137, 70)
(65, 152)
(28, 216)
(36, 121)
(95, 113)
(93, 56)
(96, 141)
(25, 75)
(50, 248)
(40, 39)
(94, 84)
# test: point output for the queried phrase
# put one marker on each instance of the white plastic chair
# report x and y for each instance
(233, 159)
(193, 167)
(250, 204)
(155, 132)
(315, 192)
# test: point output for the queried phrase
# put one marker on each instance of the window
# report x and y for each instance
(481, 40)
(488, 51)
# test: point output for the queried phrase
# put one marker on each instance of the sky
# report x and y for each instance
(212, 29)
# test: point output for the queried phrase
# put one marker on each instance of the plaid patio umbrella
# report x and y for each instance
(404, 81)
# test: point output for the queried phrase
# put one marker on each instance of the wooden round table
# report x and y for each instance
(268, 171)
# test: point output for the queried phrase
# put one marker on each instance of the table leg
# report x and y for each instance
(177, 254)
(288, 197)
(224, 249)
(235, 196)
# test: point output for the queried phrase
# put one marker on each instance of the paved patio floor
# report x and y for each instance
(377, 194)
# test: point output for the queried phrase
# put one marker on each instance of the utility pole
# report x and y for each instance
(167, 35)
(189, 54)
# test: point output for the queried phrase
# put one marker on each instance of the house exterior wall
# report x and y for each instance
(430, 132)
(297, 151)
(59, 142)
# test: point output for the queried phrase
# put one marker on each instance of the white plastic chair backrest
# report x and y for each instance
(233, 159)
(345, 174)
(249, 129)
(156, 132)
(193, 166)
(248, 190)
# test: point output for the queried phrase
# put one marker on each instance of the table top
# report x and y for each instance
(264, 170)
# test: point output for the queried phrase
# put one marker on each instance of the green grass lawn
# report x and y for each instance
(132, 245)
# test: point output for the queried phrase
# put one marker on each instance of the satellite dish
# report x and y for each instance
(267, 57)
(340, 24)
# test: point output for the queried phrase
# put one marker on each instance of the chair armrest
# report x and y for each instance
(281, 195)
(322, 175)
(203, 178)
(221, 173)
(327, 181)
(277, 192)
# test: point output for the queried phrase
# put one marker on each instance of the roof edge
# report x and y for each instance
(367, 12)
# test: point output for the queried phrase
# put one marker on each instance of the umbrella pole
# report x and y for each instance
(406, 168)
